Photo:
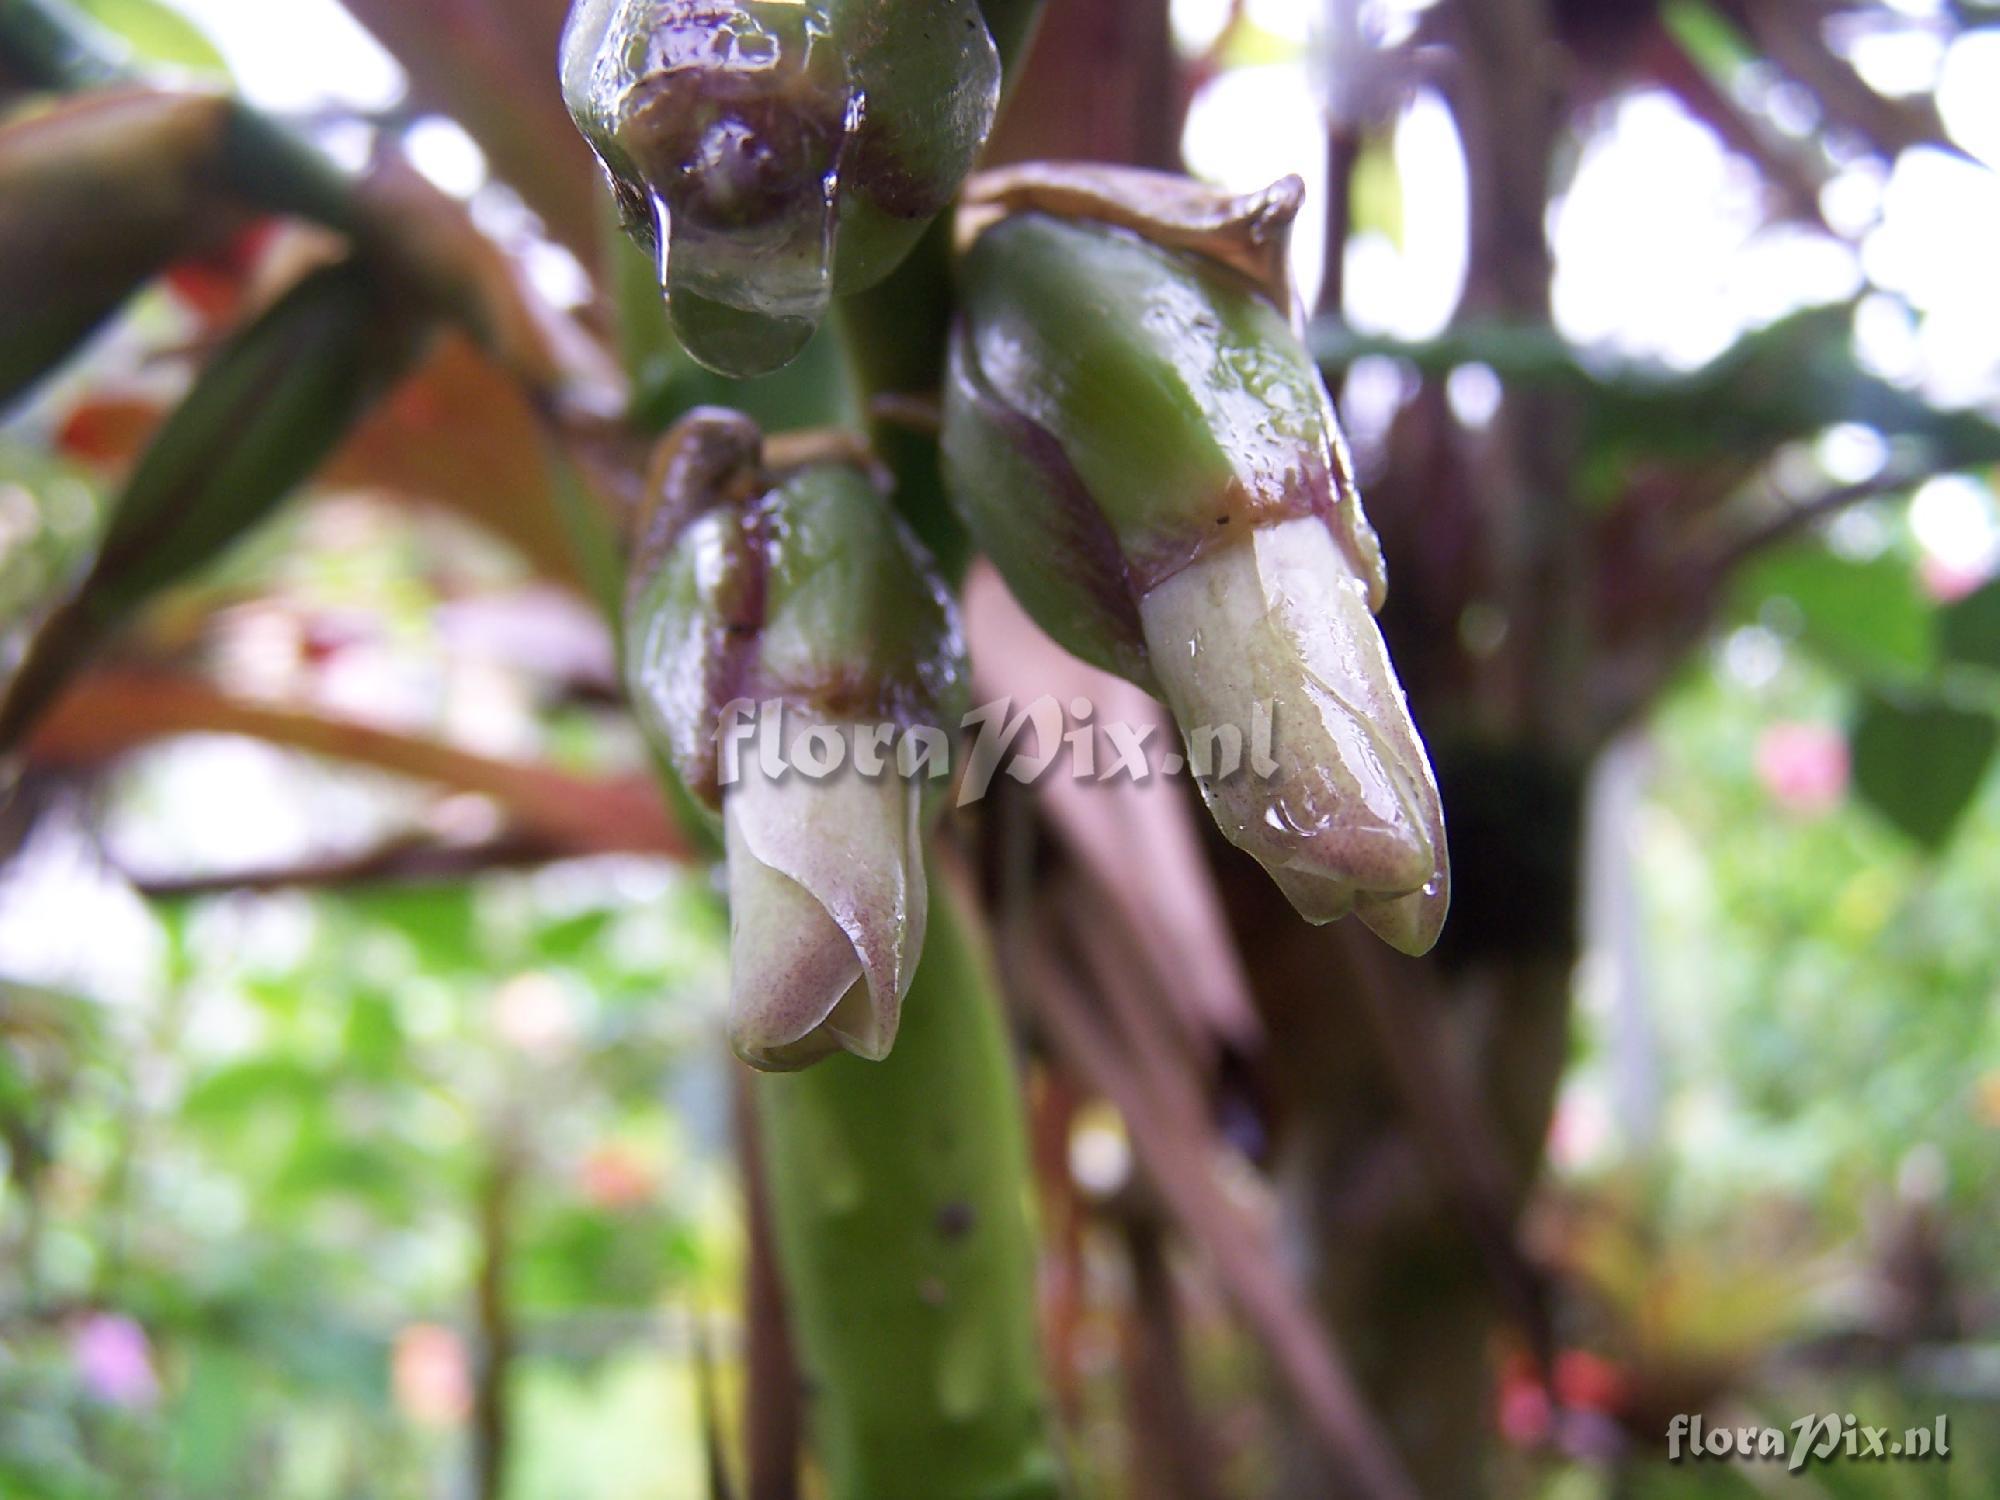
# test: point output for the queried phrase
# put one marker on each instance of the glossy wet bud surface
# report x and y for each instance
(775, 152)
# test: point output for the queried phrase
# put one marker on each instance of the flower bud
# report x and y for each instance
(1137, 438)
(777, 152)
(784, 634)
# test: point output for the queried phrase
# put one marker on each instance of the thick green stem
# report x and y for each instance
(895, 341)
(895, 338)
(899, 1194)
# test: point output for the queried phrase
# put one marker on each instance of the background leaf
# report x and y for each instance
(1921, 765)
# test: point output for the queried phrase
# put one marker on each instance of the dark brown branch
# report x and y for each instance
(495, 74)
(1178, 1156)
(1448, 1124)
(1171, 1456)
(399, 861)
(1792, 36)
(1803, 515)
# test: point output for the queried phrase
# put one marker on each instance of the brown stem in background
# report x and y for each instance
(1171, 1456)
(1447, 1119)
(1802, 515)
(399, 861)
(491, 1412)
(1179, 1156)
(1793, 36)
(491, 65)
(1343, 156)
(1100, 83)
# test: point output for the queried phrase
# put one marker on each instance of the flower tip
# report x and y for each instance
(827, 917)
(855, 1025)
(1410, 924)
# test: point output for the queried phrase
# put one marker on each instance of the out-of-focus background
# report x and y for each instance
(350, 1040)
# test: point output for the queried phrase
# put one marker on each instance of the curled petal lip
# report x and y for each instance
(828, 914)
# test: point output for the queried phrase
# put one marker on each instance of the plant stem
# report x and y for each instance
(899, 1195)
(895, 338)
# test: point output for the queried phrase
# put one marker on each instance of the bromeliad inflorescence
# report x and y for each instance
(1133, 433)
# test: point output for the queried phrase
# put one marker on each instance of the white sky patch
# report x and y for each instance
(1851, 453)
(1954, 519)
(1902, 61)
(1649, 233)
(1935, 248)
(1252, 126)
(1969, 95)
(441, 150)
(1291, 19)
(295, 55)
(1197, 23)
(71, 924)
(1411, 290)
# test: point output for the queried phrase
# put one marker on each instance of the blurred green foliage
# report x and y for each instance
(275, 1170)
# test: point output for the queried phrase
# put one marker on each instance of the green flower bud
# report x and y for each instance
(97, 195)
(785, 636)
(777, 152)
(1137, 438)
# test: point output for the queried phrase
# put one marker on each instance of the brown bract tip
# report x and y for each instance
(1248, 233)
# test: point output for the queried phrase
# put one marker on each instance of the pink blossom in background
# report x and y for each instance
(114, 1360)
(1804, 767)
(431, 1375)
(614, 1176)
(1946, 580)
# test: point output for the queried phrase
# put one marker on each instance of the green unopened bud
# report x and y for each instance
(776, 152)
(262, 416)
(97, 194)
(1136, 436)
(786, 641)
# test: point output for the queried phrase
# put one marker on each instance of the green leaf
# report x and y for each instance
(1716, 46)
(158, 33)
(1868, 618)
(1969, 629)
(212, 1420)
(1921, 764)
(256, 1085)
